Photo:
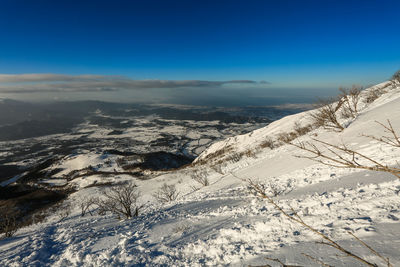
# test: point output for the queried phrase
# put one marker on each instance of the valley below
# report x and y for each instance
(42, 152)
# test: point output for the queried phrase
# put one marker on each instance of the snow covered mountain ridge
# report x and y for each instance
(255, 139)
(215, 220)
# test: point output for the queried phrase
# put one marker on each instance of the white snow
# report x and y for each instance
(223, 223)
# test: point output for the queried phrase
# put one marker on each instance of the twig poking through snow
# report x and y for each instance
(296, 218)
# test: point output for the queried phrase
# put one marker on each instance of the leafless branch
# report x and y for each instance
(296, 218)
(121, 200)
(326, 116)
(396, 77)
(87, 204)
(281, 263)
(9, 224)
(350, 99)
(201, 177)
(386, 260)
(343, 157)
(316, 260)
(392, 140)
(166, 193)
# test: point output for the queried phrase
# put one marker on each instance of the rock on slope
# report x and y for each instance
(223, 223)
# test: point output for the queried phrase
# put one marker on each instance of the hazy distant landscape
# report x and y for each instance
(59, 117)
(31, 133)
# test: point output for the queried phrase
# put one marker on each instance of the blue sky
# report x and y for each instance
(290, 44)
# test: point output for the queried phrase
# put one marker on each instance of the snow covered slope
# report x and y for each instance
(223, 223)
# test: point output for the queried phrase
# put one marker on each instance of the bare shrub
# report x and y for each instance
(267, 188)
(217, 154)
(286, 137)
(201, 177)
(38, 217)
(373, 94)
(302, 130)
(166, 193)
(121, 200)
(87, 204)
(217, 168)
(396, 77)
(64, 212)
(194, 188)
(249, 153)
(181, 228)
(325, 116)
(234, 157)
(328, 241)
(8, 223)
(268, 142)
(350, 99)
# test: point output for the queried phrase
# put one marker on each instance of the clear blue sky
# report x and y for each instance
(290, 44)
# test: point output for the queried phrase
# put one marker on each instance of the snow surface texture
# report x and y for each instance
(223, 223)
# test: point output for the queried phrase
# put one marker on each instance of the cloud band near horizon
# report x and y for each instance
(31, 83)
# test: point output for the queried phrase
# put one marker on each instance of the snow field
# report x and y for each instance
(223, 224)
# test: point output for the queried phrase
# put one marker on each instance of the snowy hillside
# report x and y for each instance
(223, 223)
